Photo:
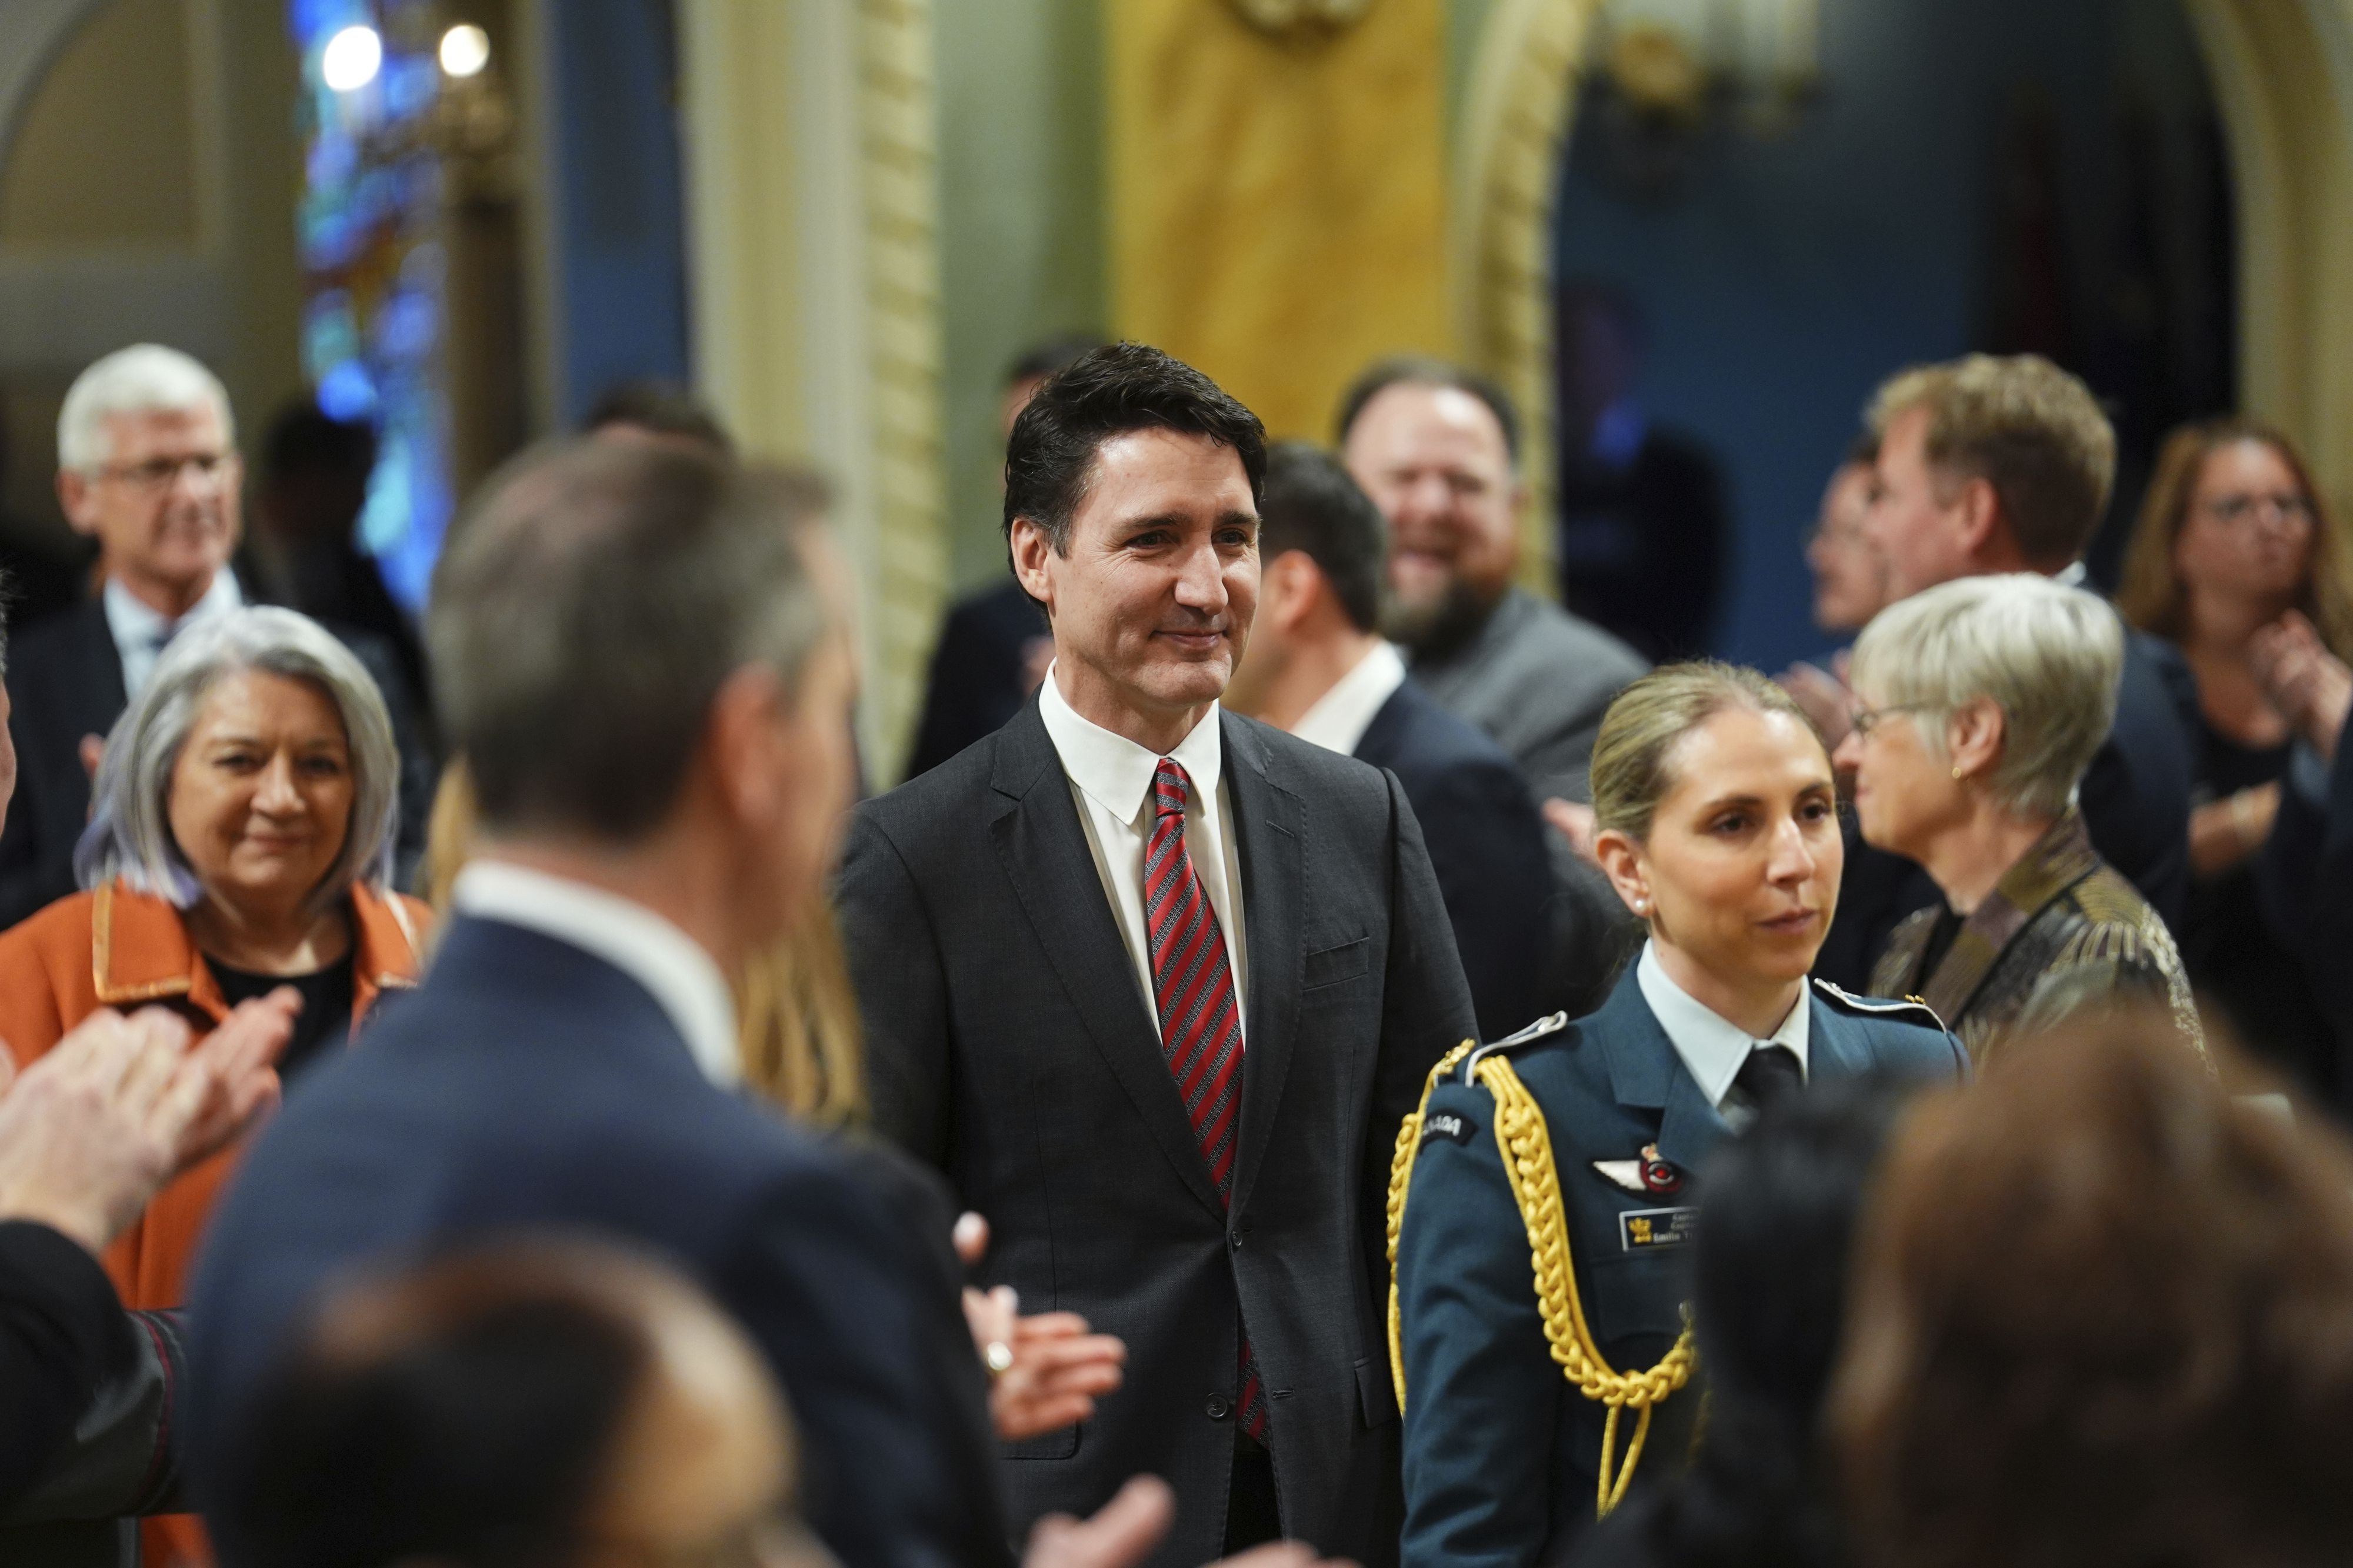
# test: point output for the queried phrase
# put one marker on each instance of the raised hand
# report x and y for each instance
(1046, 1370)
(120, 1106)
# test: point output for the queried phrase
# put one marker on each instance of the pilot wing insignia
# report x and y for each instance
(1626, 1174)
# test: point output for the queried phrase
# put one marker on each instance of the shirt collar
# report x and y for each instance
(1113, 771)
(683, 978)
(1338, 718)
(1712, 1047)
(131, 619)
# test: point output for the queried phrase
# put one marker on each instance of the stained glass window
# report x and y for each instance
(372, 262)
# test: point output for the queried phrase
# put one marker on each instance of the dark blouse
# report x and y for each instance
(2234, 961)
(325, 1021)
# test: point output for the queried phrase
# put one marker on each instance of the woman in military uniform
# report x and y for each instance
(1537, 1393)
(1982, 701)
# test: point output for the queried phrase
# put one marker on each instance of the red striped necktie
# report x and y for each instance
(1201, 1026)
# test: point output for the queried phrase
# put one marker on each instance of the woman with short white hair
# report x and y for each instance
(1980, 703)
(238, 843)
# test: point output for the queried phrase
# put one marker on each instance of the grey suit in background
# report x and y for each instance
(1538, 679)
(1009, 1044)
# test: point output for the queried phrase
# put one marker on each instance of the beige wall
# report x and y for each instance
(146, 192)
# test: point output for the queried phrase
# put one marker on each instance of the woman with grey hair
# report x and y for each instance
(1980, 704)
(239, 844)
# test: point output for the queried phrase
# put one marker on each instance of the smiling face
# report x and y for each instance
(2248, 531)
(1150, 599)
(163, 508)
(1739, 872)
(261, 792)
(1433, 460)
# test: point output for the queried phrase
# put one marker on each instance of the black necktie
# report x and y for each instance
(1769, 1076)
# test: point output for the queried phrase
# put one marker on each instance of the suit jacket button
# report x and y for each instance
(1218, 1408)
(1236, 1237)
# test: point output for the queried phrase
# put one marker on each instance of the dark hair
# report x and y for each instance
(662, 407)
(1105, 392)
(1419, 369)
(1777, 1212)
(303, 438)
(466, 1413)
(588, 608)
(1312, 505)
(1055, 353)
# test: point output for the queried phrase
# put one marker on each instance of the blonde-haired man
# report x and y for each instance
(1995, 463)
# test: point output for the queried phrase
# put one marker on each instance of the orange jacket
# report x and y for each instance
(112, 947)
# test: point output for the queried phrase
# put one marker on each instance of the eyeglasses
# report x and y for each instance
(157, 475)
(2292, 511)
(1865, 720)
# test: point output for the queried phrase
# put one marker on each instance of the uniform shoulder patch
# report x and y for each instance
(1541, 1029)
(1909, 1010)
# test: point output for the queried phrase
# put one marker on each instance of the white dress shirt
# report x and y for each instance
(1111, 780)
(1340, 717)
(1712, 1047)
(683, 978)
(139, 632)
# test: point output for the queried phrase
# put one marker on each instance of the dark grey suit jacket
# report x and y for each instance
(1009, 1044)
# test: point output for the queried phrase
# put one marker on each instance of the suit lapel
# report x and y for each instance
(1831, 1050)
(1267, 826)
(1042, 847)
(2058, 860)
(98, 698)
(1647, 1073)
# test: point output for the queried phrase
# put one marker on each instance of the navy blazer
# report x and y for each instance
(2304, 877)
(527, 1085)
(1486, 843)
(1501, 1454)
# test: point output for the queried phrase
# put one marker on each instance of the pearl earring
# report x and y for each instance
(1957, 775)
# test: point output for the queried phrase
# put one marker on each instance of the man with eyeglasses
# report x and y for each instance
(148, 467)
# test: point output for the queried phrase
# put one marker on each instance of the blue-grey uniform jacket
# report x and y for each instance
(1501, 1452)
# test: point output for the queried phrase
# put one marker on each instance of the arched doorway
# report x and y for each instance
(2282, 77)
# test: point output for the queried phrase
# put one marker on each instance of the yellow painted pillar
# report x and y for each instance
(1278, 200)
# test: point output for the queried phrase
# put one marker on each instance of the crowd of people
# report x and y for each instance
(1328, 1055)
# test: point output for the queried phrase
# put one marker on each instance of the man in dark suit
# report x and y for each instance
(1990, 464)
(1318, 667)
(147, 465)
(993, 645)
(659, 804)
(1154, 984)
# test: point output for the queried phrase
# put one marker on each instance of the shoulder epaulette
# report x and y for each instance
(1911, 1009)
(1553, 1024)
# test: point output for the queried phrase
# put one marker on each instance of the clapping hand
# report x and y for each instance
(1823, 696)
(1046, 1370)
(120, 1106)
(2311, 687)
(1126, 1529)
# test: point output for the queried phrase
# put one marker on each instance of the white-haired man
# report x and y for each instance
(148, 467)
